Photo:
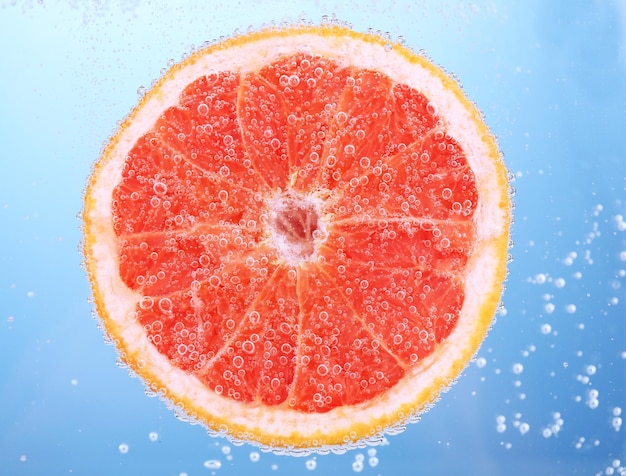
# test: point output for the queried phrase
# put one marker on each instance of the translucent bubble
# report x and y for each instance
(310, 464)
(431, 107)
(546, 329)
(255, 456)
(203, 109)
(559, 282)
(524, 428)
(541, 278)
(123, 448)
(341, 117)
(570, 308)
(481, 362)
(146, 302)
(165, 304)
(569, 259)
(159, 188)
(549, 308)
(213, 464)
(590, 369)
(518, 368)
(322, 369)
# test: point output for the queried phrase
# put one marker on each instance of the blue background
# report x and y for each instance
(550, 78)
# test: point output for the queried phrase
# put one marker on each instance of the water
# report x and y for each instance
(546, 394)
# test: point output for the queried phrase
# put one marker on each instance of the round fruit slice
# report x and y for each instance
(299, 236)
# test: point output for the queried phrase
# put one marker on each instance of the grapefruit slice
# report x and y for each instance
(299, 236)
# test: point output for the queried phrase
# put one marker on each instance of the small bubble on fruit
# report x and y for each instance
(431, 108)
(165, 304)
(203, 109)
(146, 302)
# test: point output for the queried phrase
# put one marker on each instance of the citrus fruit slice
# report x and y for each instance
(299, 236)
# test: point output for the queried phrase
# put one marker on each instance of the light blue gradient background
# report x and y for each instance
(550, 77)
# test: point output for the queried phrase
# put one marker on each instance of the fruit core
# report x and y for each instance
(295, 226)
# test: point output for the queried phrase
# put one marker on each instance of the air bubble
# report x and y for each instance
(165, 304)
(213, 464)
(159, 188)
(310, 464)
(203, 109)
(248, 347)
(123, 448)
(146, 302)
(546, 329)
(431, 108)
(518, 368)
(153, 436)
(255, 456)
